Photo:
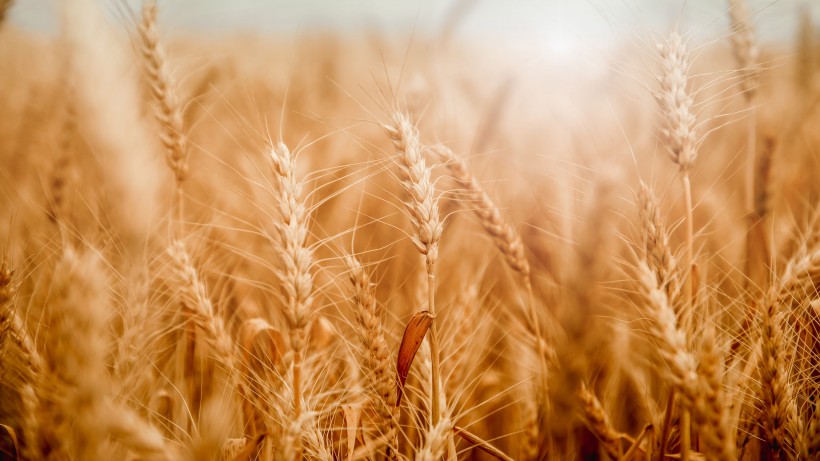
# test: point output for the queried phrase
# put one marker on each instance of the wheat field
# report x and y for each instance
(374, 247)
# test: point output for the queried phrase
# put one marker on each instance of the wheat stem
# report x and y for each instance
(690, 237)
(434, 348)
(424, 214)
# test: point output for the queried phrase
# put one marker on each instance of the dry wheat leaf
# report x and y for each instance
(481, 443)
(352, 415)
(13, 439)
(411, 341)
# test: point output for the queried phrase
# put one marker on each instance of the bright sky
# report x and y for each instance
(552, 23)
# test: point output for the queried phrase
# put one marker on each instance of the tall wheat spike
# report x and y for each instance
(422, 205)
(295, 276)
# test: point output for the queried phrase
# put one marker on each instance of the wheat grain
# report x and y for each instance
(376, 361)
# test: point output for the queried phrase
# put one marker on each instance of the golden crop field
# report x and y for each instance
(369, 246)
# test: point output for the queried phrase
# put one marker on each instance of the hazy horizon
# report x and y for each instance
(551, 23)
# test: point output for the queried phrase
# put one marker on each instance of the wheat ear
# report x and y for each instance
(671, 342)
(744, 47)
(376, 351)
(10, 318)
(776, 393)
(78, 347)
(656, 247)
(423, 207)
(599, 423)
(813, 431)
(197, 307)
(297, 259)
(679, 131)
(436, 441)
(168, 110)
(711, 412)
(746, 52)
(13, 327)
(504, 236)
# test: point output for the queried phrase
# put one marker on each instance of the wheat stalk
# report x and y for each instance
(746, 53)
(423, 207)
(680, 136)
